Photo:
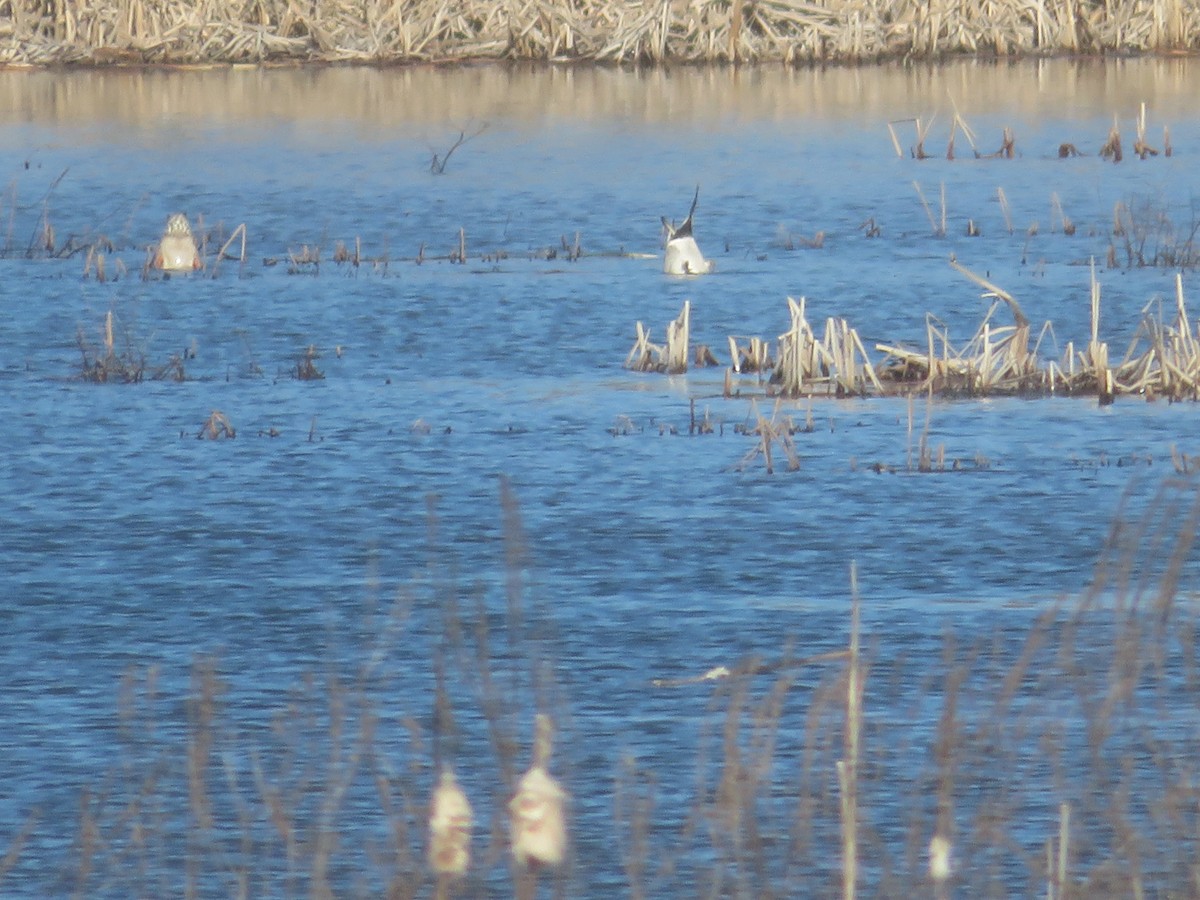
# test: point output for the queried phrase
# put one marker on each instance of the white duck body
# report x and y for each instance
(683, 256)
(177, 248)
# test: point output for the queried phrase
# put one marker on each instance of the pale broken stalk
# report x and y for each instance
(450, 821)
(537, 814)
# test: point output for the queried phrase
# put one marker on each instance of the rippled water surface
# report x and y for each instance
(327, 536)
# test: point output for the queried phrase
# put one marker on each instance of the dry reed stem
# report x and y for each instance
(239, 232)
(847, 767)
(775, 431)
(671, 358)
(678, 337)
(16, 846)
(938, 230)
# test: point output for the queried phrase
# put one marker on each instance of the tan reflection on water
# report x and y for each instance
(391, 96)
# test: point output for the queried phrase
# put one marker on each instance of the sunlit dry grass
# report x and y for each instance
(200, 31)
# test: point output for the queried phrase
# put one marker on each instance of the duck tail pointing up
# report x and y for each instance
(685, 230)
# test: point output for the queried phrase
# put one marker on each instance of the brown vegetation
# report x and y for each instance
(216, 427)
(1162, 360)
(121, 366)
(789, 31)
(306, 367)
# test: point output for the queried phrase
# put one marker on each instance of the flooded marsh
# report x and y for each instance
(377, 497)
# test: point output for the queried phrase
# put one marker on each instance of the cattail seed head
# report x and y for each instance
(939, 859)
(450, 821)
(537, 811)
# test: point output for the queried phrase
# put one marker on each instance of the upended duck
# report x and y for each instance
(177, 247)
(683, 256)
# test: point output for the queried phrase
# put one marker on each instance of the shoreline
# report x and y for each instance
(110, 62)
(84, 33)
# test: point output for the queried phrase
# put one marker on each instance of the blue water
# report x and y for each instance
(477, 453)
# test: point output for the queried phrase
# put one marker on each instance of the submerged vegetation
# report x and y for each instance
(663, 31)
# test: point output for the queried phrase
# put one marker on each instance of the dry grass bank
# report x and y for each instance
(42, 32)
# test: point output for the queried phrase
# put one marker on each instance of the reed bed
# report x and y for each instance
(1161, 361)
(1053, 757)
(611, 31)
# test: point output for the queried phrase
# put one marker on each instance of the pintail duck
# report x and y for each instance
(683, 256)
(177, 248)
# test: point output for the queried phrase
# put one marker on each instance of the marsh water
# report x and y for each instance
(475, 435)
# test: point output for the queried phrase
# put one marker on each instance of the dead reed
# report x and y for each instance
(306, 367)
(216, 427)
(108, 365)
(672, 357)
(1147, 237)
(437, 163)
(773, 432)
(1162, 360)
(713, 31)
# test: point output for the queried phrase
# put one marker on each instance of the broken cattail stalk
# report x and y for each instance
(928, 211)
(922, 132)
(645, 356)
(895, 140)
(1008, 144)
(1112, 146)
(678, 334)
(1140, 147)
(1068, 226)
(240, 231)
